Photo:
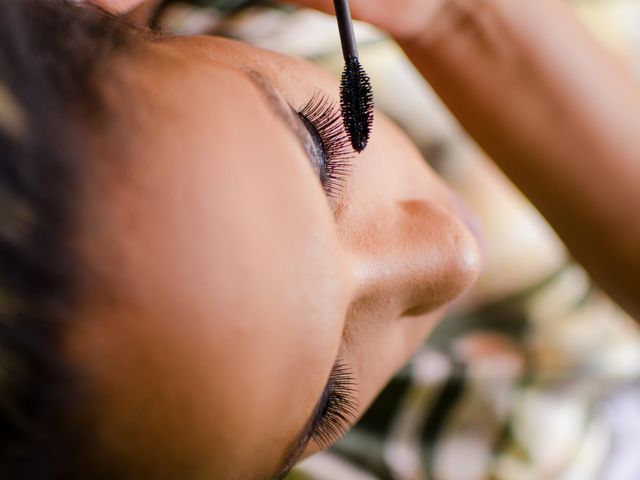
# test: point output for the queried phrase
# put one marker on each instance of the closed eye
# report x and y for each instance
(320, 131)
(323, 119)
(332, 416)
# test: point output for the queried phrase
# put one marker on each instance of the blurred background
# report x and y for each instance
(536, 375)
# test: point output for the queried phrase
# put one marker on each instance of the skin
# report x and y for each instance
(120, 6)
(224, 283)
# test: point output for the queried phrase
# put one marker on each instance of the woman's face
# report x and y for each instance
(237, 311)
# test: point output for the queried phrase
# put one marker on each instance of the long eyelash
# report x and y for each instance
(325, 116)
(338, 409)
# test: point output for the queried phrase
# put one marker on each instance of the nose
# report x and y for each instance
(414, 258)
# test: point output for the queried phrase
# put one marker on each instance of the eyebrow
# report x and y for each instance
(279, 107)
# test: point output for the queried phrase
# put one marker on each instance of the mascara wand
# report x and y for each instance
(356, 94)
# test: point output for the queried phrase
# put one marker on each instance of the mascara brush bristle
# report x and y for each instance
(356, 102)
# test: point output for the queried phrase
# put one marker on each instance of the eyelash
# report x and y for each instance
(324, 116)
(337, 408)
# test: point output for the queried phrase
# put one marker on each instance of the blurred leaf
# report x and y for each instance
(297, 475)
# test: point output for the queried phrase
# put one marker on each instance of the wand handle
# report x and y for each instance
(345, 25)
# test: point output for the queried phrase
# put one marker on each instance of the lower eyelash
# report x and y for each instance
(325, 116)
(339, 409)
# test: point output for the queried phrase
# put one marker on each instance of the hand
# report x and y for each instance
(403, 19)
(118, 6)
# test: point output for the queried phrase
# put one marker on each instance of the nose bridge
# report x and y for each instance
(416, 258)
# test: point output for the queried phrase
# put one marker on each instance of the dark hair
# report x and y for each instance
(50, 55)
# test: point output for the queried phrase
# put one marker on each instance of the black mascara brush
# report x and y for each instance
(356, 95)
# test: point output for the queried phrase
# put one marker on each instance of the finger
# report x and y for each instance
(381, 13)
(366, 10)
(401, 18)
(118, 6)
